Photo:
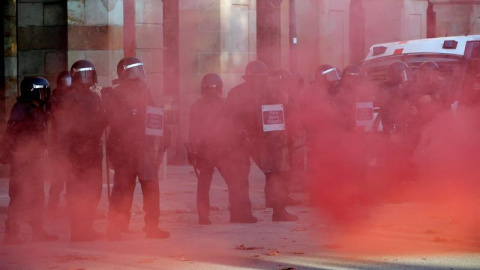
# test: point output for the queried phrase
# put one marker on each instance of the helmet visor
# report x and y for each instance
(134, 71)
(331, 75)
(86, 75)
(41, 92)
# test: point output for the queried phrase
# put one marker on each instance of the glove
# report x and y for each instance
(97, 90)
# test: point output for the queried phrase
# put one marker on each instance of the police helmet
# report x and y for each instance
(327, 73)
(130, 68)
(211, 84)
(83, 72)
(35, 88)
(64, 80)
(398, 72)
(256, 68)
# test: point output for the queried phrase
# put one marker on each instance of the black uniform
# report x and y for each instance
(245, 104)
(84, 151)
(210, 142)
(132, 154)
(57, 149)
(320, 120)
(24, 148)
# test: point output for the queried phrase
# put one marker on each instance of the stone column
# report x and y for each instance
(149, 44)
(269, 32)
(308, 28)
(238, 39)
(9, 64)
(357, 32)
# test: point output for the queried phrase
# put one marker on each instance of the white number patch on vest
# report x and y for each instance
(154, 121)
(273, 117)
(365, 115)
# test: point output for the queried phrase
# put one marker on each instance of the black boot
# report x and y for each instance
(281, 214)
(156, 233)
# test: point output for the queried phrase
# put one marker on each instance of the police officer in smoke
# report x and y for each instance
(350, 88)
(245, 103)
(24, 148)
(320, 122)
(132, 152)
(429, 97)
(58, 138)
(432, 87)
(84, 131)
(210, 148)
(288, 89)
(398, 112)
(395, 103)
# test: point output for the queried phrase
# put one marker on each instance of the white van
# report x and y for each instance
(458, 58)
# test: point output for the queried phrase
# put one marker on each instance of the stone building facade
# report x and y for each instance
(180, 40)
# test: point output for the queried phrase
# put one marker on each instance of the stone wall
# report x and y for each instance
(95, 33)
(42, 40)
(9, 59)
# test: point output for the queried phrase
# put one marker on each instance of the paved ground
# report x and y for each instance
(404, 235)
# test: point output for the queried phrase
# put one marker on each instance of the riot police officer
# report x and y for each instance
(319, 121)
(84, 150)
(210, 147)
(132, 152)
(246, 102)
(288, 88)
(24, 148)
(57, 138)
(432, 85)
(350, 88)
(398, 112)
(395, 105)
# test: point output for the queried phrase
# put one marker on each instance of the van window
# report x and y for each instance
(450, 67)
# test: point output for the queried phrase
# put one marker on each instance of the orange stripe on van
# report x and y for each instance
(403, 42)
(398, 51)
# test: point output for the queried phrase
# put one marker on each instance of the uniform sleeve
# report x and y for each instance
(195, 126)
(16, 123)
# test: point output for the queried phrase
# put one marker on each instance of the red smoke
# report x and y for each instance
(377, 196)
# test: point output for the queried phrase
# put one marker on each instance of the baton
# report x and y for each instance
(189, 152)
